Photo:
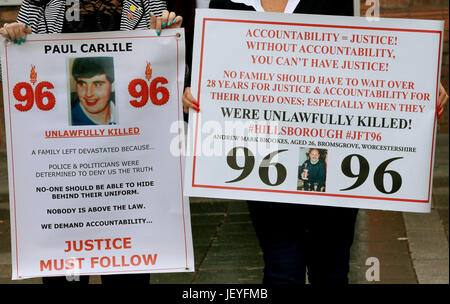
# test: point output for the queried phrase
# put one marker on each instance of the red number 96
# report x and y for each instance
(24, 93)
(158, 94)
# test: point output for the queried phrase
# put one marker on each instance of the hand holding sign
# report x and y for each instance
(15, 32)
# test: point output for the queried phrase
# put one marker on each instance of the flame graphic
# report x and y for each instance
(148, 71)
(33, 75)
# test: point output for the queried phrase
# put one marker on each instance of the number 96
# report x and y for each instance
(24, 92)
(378, 178)
(139, 89)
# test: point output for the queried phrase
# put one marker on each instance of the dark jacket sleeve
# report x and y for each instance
(216, 4)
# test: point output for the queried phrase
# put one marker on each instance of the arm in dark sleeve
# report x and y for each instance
(216, 4)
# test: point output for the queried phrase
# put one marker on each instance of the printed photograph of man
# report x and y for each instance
(92, 103)
(312, 173)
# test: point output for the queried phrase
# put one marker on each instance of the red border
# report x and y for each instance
(326, 26)
(12, 155)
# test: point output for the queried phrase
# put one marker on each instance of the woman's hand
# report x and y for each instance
(442, 101)
(189, 101)
(15, 32)
(167, 20)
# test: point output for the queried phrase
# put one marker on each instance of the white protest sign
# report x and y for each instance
(94, 185)
(310, 109)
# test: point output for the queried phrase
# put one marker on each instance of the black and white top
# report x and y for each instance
(49, 16)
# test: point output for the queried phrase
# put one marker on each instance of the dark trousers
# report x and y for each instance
(299, 238)
(123, 279)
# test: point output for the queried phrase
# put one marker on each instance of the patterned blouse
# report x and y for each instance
(55, 16)
(93, 16)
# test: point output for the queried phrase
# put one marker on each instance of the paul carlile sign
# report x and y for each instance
(95, 186)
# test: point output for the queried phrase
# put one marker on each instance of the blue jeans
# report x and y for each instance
(299, 238)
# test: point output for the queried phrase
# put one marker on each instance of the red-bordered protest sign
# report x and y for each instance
(359, 94)
(95, 182)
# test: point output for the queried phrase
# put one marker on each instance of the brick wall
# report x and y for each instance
(417, 9)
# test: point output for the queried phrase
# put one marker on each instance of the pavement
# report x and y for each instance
(411, 248)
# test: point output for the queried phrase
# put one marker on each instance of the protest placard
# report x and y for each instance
(94, 185)
(321, 110)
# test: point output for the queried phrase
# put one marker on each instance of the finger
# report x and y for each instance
(164, 17)
(11, 34)
(188, 94)
(442, 89)
(6, 31)
(171, 18)
(17, 34)
(189, 98)
(443, 100)
(443, 96)
(176, 23)
(192, 100)
(189, 104)
(193, 106)
(158, 26)
(22, 32)
(21, 35)
(28, 29)
(152, 21)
